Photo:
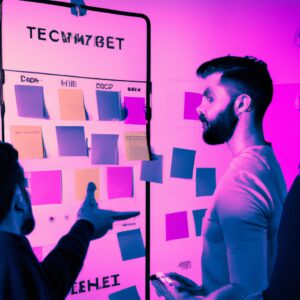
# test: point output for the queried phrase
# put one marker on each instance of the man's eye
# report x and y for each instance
(209, 99)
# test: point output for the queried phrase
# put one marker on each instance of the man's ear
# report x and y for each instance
(243, 103)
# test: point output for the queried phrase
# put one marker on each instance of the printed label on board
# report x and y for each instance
(104, 86)
(28, 79)
(90, 285)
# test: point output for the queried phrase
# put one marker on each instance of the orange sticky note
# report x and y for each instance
(136, 146)
(28, 141)
(71, 104)
(82, 178)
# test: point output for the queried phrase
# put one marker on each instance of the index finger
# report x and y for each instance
(117, 215)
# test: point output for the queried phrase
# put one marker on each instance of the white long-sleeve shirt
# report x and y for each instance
(240, 229)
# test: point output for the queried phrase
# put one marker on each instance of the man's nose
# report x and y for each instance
(199, 110)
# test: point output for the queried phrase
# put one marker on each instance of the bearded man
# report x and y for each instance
(240, 229)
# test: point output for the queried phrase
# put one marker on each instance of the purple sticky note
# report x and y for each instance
(135, 107)
(30, 101)
(152, 169)
(177, 226)
(71, 141)
(191, 102)
(109, 105)
(45, 187)
(119, 182)
(38, 252)
(105, 149)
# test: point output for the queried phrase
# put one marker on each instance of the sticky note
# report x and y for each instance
(191, 102)
(28, 141)
(30, 101)
(109, 105)
(131, 244)
(205, 181)
(105, 149)
(71, 104)
(183, 163)
(71, 141)
(136, 146)
(198, 218)
(126, 294)
(45, 187)
(177, 226)
(38, 252)
(119, 182)
(82, 178)
(135, 107)
(152, 169)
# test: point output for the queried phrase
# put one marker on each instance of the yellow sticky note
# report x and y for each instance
(71, 104)
(28, 141)
(82, 178)
(136, 146)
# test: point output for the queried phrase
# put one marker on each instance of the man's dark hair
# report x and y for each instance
(243, 75)
(11, 174)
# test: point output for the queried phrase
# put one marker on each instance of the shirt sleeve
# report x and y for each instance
(243, 217)
(63, 264)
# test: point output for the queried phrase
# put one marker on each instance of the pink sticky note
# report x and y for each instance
(135, 107)
(38, 252)
(119, 182)
(191, 102)
(177, 226)
(45, 187)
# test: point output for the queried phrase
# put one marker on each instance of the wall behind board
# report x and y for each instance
(184, 34)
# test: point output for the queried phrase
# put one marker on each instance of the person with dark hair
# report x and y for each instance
(240, 229)
(21, 275)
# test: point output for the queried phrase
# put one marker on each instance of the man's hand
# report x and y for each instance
(177, 287)
(101, 219)
(186, 285)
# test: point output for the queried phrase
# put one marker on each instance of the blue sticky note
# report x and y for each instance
(205, 181)
(183, 163)
(152, 169)
(30, 101)
(109, 105)
(71, 141)
(198, 218)
(131, 244)
(130, 293)
(105, 149)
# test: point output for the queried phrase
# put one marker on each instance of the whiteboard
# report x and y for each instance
(44, 45)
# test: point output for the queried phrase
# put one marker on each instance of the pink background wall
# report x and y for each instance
(184, 34)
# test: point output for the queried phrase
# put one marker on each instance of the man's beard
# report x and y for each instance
(28, 225)
(222, 128)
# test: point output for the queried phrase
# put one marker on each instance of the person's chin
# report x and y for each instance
(210, 140)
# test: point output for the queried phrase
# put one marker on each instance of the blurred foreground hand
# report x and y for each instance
(101, 219)
(174, 286)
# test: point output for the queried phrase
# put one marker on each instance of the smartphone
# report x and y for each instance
(162, 277)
